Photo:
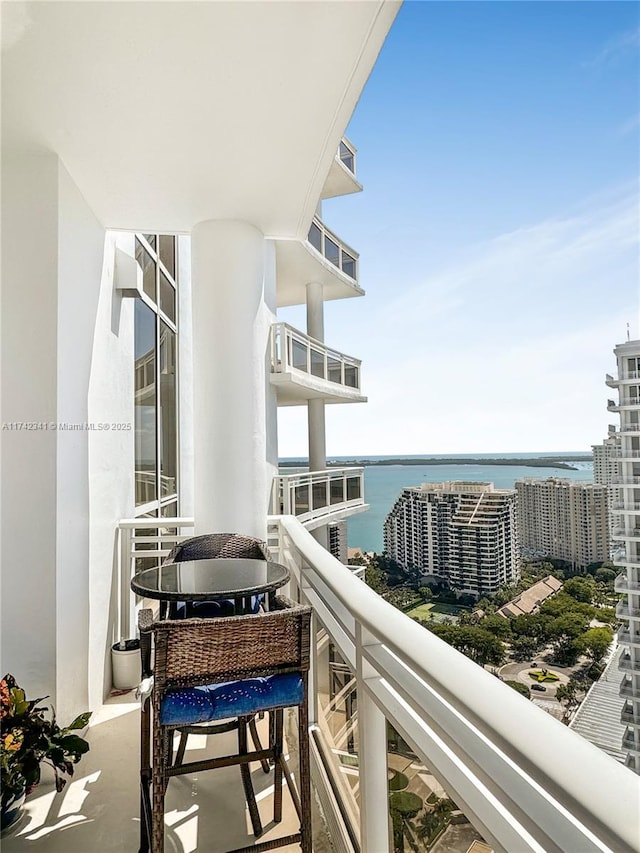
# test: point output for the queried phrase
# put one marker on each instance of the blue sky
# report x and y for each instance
(498, 230)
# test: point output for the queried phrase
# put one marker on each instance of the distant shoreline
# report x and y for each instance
(538, 462)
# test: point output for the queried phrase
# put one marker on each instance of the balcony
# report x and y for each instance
(621, 533)
(526, 783)
(341, 179)
(627, 688)
(621, 481)
(622, 584)
(627, 715)
(623, 611)
(628, 663)
(625, 638)
(322, 258)
(303, 369)
(611, 381)
(631, 742)
(625, 454)
(316, 497)
(623, 506)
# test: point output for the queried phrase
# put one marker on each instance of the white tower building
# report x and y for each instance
(626, 534)
(462, 533)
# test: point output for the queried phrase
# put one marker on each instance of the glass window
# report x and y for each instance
(155, 380)
(298, 355)
(348, 265)
(148, 267)
(167, 419)
(167, 297)
(334, 370)
(315, 237)
(145, 403)
(167, 252)
(331, 251)
(317, 363)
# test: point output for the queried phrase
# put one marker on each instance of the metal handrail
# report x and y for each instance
(526, 782)
(347, 258)
(283, 337)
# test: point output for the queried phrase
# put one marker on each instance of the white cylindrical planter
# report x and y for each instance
(126, 665)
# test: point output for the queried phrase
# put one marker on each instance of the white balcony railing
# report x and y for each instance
(313, 496)
(526, 782)
(141, 541)
(293, 350)
(333, 249)
(622, 584)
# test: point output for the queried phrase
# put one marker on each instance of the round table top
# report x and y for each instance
(203, 580)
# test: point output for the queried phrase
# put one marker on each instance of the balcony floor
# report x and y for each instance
(98, 809)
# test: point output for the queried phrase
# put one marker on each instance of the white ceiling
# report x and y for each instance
(170, 113)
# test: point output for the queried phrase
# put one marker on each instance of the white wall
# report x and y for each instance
(29, 388)
(52, 256)
(185, 379)
(111, 466)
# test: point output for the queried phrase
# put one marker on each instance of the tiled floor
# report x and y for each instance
(98, 810)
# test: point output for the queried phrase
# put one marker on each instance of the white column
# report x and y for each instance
(372, 739)
(315, 408)
(230, 339)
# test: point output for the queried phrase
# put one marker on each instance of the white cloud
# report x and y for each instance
(614, 48)
(505, 351)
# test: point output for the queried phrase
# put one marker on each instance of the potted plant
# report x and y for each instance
(29, 736)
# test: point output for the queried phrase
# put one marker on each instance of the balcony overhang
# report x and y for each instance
(170, 114)
(295, 388)
(341, 180)
(298, 264)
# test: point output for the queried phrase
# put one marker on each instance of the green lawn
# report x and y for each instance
(434, 609)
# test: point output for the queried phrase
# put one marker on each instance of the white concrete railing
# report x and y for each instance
(526, 781)
(333, 248)
(313, 496)
(156, 538)
(291, 349)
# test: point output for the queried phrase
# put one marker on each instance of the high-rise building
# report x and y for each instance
(464, 534)
(625, 508)
(606, 458)
(563, 519)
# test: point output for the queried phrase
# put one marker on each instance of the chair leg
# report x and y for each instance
(181, 749)
(256, 742)
(278, 721)
(145, 773)
(245, 771)
(159, 785)
(305, 775)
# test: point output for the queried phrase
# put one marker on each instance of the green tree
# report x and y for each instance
(595, 643)
(497, 625)
(481, 646)
(519, 688)
(524, 648)
(580, 588)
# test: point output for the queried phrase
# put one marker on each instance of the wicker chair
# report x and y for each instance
(215, 546)
(212, 669)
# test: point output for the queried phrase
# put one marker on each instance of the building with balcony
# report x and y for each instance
(462, 534)
(163, 166)
(564, 520)
(625, 502)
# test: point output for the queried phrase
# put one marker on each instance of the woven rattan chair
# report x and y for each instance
(212, 669)
(216, 546)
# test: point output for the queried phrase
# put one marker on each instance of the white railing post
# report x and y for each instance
(372, 740)
(125, 581)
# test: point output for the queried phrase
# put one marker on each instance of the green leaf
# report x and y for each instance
(81, 721)
(74, 744)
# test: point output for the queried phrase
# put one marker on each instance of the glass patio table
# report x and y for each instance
(237, 579)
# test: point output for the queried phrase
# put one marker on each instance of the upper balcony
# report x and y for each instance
(322, 258)
(625, 402)
(303, 369)
(316, 497)
(625, 376)
(341, 179)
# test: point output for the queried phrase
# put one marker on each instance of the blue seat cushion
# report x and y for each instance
(187, 706)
